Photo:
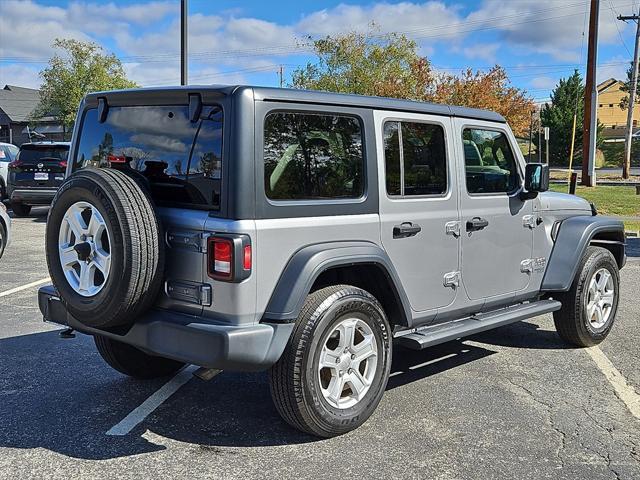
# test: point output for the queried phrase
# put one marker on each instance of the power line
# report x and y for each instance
(288, 49)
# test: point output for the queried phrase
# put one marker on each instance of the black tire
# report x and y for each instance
(3, 238)
(137, 248)
(571, 321)
(20, 209)
(294, 379)
(134, 362)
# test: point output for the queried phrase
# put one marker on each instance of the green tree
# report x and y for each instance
(82, 67)
(386, 65)
(558, 116)
(624, 102)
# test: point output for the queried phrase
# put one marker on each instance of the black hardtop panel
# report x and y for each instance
(212, 93)
(378, 103)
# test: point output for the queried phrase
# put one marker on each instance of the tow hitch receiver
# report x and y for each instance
(206, 374)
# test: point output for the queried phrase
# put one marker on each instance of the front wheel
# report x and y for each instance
(589, 307)
(335, 368)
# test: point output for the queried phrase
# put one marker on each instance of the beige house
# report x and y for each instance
(610, 114)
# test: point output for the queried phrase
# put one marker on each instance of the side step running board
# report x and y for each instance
(436, 334)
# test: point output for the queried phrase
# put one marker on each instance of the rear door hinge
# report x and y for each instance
(452, 228)
(451, 279)
(526, 265)
(529, 221)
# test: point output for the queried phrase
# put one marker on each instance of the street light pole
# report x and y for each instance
(184, 59)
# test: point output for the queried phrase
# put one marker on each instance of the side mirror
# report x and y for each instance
(536, 179)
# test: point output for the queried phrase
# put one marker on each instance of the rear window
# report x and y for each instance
(180, 160)
(38, 153)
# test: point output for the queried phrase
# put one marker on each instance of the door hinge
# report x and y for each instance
(452, 228)
(529, 221)
(452, 279)
(526, 265)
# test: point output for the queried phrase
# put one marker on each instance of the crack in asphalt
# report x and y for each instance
(548, 408)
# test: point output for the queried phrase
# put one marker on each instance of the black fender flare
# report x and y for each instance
(306, 265)
(573, 238)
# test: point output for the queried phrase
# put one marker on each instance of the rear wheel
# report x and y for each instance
(589, 307)
(3, 238)
(20, 209)
(134, 362)
(335, 368)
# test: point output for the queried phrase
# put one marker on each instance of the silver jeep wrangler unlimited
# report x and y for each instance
(248, 228)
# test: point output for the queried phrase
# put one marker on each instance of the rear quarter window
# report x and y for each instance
(309, 156)
(180, 160)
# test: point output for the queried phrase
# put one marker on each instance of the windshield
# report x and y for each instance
(180, 160)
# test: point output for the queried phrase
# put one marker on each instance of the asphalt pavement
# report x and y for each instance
(511, 403)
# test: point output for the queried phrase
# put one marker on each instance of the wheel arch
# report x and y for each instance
(574, 236)
(361, 264)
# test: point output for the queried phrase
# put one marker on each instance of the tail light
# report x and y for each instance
(15, 164)
(62, 164)
(229, 257)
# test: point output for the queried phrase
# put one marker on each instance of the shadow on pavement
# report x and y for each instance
(37, 215)
(60, 395)
(522, 335)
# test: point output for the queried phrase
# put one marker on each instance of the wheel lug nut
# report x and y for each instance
(353, 357)
(350, 370)
(337, 360)
(341, 373)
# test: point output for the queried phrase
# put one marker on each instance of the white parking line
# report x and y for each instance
(24, 287)
(147, 407)
(624, 391)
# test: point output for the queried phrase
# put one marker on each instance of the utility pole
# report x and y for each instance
(530, 137)
(184, 58)
(589, 128)
(281, 73)
(626, 164)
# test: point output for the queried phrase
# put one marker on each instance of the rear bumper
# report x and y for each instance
(186, 338)
(35, 196)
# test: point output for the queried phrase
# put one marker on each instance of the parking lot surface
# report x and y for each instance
(510, 403)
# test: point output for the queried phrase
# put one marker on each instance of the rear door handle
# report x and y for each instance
(406, 229)
(476, 223)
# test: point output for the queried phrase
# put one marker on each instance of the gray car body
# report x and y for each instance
(299, 244)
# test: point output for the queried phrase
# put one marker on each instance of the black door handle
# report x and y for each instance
(476, 223)
(406, 229)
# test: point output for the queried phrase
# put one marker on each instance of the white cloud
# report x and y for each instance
(543, 83)
(20, 75)
(615, 67)
(551, 28)
(482, 51)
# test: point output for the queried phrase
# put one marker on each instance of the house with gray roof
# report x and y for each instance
(17, 124)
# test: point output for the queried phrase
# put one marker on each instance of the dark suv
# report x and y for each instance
(35, 175)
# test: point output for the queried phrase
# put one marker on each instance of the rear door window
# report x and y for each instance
(180, 160)
(415, 159)
(309, 156)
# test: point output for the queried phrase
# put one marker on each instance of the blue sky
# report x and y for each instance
(537, 41)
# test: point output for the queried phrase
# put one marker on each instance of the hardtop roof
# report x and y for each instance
(316, 97)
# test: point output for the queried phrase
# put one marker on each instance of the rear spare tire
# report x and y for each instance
(104, 248)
